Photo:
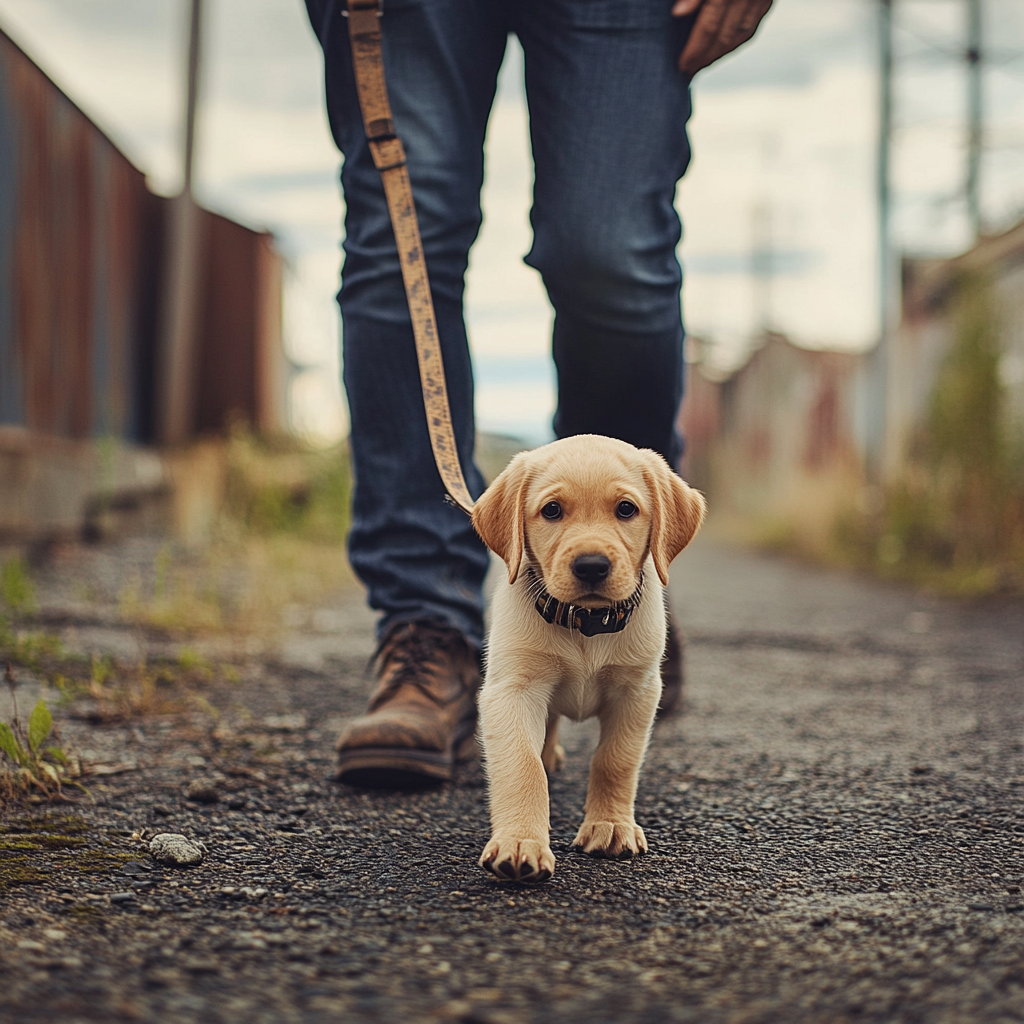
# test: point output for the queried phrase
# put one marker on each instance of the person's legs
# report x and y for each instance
(608, 113)
(418, 556)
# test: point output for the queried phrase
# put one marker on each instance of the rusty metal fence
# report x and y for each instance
(82, 244)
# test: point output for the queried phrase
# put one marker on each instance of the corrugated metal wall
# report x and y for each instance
(79, 245)
(81, 251)
(239, 317)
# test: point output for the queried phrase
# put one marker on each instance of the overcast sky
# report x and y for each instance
(784, 139)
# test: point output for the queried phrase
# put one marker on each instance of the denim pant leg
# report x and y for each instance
(608, 113)
(418, 556)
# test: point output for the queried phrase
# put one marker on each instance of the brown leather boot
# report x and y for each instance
(422, 716)
(672, 673)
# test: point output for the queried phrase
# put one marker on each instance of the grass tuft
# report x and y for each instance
(33, 763)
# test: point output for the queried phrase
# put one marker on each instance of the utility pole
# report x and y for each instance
(194, 56)
(762, 243)
(761, 258)
(179, 319)
(975, 65)
(876, 426)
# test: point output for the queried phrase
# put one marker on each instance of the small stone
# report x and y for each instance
(31, 946)
(285, 723)
(162, 810)
(121, 897)
(202, 791)
(200, 965)
(173, 849)
(54, 934)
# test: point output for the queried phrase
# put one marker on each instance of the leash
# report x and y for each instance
(389, 158)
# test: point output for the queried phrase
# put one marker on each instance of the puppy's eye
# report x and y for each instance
(626, 510)
(552, 510)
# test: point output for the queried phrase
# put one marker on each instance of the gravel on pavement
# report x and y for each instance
(836, 824)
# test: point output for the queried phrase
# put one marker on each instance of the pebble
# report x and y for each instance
(121, 897)
(176, 850)
(285, 723)
(202, 791)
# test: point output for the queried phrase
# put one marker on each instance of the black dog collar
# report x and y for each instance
(585, 621)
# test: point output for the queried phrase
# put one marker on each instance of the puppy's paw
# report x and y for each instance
(518, 860)
(619, 840)
(553, 758)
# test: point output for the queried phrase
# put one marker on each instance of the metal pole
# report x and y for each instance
(974, 114)
(878, 385)
(761, 267)
(176, 379)
(194, 58)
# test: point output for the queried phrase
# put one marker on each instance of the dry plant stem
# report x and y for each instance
(12, 687)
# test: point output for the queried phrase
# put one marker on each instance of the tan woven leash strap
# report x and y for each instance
(389, 159)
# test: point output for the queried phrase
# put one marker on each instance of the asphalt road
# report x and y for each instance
(836, 823)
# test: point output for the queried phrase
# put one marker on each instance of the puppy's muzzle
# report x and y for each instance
(591, 570)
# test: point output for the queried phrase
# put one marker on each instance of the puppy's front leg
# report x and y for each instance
(609, 828)
(513, 716)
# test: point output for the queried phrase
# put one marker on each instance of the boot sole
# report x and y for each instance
(402, 767)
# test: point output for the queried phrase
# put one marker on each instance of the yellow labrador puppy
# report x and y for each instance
(587, 527)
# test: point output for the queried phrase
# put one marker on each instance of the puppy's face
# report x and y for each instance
(586, 511)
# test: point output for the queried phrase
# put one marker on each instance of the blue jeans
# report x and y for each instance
(608, 113)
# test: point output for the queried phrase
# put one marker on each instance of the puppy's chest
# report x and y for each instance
(584, 684)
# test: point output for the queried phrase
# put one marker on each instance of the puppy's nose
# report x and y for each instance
(591, 569)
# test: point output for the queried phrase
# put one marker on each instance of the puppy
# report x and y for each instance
(587, 527)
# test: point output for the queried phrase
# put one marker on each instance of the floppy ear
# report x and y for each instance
(677, 511)
(499, 515)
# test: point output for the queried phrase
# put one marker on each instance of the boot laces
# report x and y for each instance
(412, 656)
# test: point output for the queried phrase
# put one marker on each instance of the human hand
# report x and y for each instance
(720, 26)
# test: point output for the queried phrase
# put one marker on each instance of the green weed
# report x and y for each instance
(954, 521)
(32, 761)
(16, 587)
